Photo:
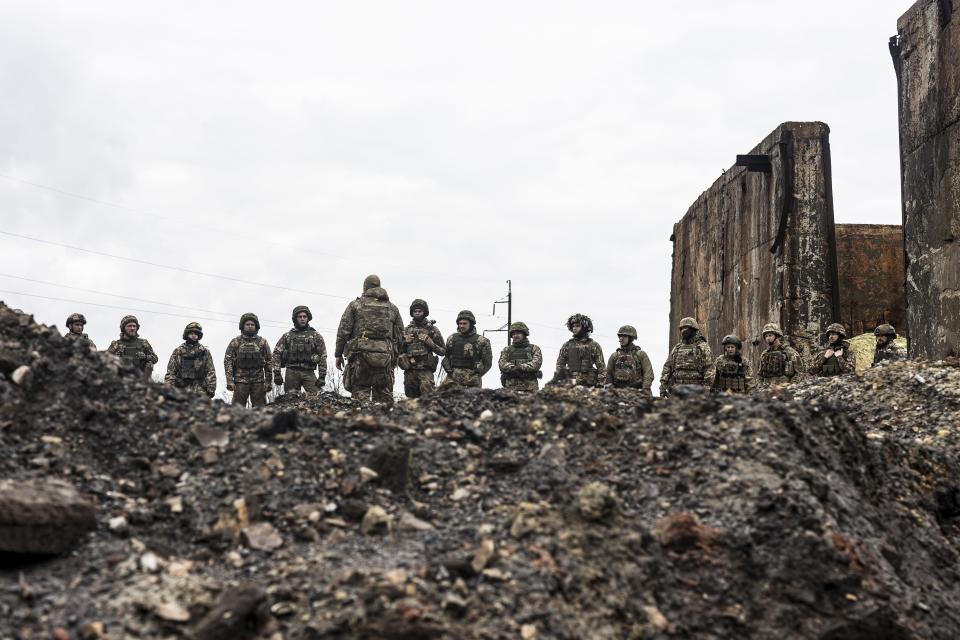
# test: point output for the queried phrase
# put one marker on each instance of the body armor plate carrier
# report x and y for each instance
(465, 353)
(249, 355)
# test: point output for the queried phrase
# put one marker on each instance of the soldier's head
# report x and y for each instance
(193, 332)
(836, 333)
(249, 324)
(301, 316)
(731, 345)
(371, 281)
(129, 326)
(580, 325)
(419, 309)
(772, 334)
(466, 321)
(518, 332)
(885, 334)
(688, 329)
(626, 334)
(75, 323)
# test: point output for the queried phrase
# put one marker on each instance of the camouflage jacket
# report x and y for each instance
(519, 373)
(311, 351)
(732, 373)
(889, 352)
(468, 357)
(83, 338)
(199, 374)
(779, 365)
(233, 368)
(834, 366)
(581, 359)
(688, 363)
(135, 350)
(630, 366)
(421, 356)
(348, 328)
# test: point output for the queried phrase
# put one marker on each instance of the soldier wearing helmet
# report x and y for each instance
(75, 323)
(191, 364)
(369, 337)
(690, 361)
(521, 361)
(581, 358)
(469, 354)
(731, 371)
(133, 349)
(303, 353)
(629, 365)
(779, 362)
(420, 351)
(887, 349)
(247, 364)
(836, 358)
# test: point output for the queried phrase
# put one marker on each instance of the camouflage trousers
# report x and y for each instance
(417, 383)
(462, 378)
(521, 384)
(256, 392)
(632, 385)
(585, 378)
(294, 379)
(194, 387)
(367, 383)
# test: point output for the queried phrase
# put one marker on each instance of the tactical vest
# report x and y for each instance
(773, 364)
(465, 353)
(626, 369)
(731, 376)
(249, 355)
(831, 366)
(133, 351)
(374, 319)
(520, 355)
(193, 365)
(888, 352)
(421, 357)
(301, 348)
(688, 363)
(580, 356)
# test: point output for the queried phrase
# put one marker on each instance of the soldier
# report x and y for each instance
(301, 351)
(836, 358)
(75, 324)
(581, 358)
(520, 362)
(420, 350)
(133, 349)
(369, 338)
(629, 366)
(191, 365)
(690, 361)
(779, 362)
(469, 354)
(731, 371)
(887, 349)
(246, 364)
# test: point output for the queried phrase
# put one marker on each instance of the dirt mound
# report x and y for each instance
(827, 512)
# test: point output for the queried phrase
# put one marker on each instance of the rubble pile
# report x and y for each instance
(826, 510)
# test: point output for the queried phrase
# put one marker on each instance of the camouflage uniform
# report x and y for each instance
(520, 362)
(779, 363)
(247, 365)
(135, 350)
(369, 338)
(469, 356)
(300, 351)
(834, 366)
(78, 338)
(629, 366)
(690, 361)
(581, 358)
(732, 373)
(889, 352)
(419, 352)
(191, 365)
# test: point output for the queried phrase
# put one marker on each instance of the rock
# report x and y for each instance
(409, 522)
(391, 461)
(22, 376)
(483, 555)
(656, 618)
(375, 522)
(454, 603)
(149, 562)
(211, 436)
(117, 524)
(42, 516)
(172, 612)
(528, 632)
(262, 536)
(596, 501)
(461, 493)
(681, 532)
(367, 474)
(238, 615)
(485, 415)
(210, 456)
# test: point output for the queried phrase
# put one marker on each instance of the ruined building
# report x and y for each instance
(926, 57)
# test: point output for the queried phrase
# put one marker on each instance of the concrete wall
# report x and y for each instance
(758, 247)
(871, 275)
(927, 62)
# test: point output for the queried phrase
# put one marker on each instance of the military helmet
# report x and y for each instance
(519, 326)
(885, 330)
(125, 320)
(837, 328)
(249, 316)
(420, 303)
(689, 322)
(371, 281)
(627, 330)
(466, 314)
(732, 339)
(772, 327)
(193, 327)
(76, 317)
(585, 322)
(297, 309)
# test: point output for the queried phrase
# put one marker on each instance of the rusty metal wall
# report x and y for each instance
(759, 247)
(871, 276)
(926, 57)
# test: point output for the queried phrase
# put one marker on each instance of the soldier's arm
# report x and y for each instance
(267, 360)
(397, 330)
(609, 377)
(817, 365)
(504, 364)
(149, 354)
(172, 365)
(228, 356)
(437, 339)
(563, 357)
(278, 351)
(321, 360)
(848, 362)
(344, 330)
(710, 375)
(598, 362)
(667, 372)
(445, 363)
(113, 347)
(535, 362)
(748, 378)
(211, 381)
(486, 356)
(647, 370)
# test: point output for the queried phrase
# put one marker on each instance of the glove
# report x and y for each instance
(339, 363)
(277, 378)
(229, 386)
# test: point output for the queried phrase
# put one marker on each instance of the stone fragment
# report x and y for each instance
(596, 501)
(211, 436)
(409, 522)
(172, 611)
(262, 536)
(238, 615)
(22, 376)
(117, 524)
(375, 522)
(483, 555)
(42, 516)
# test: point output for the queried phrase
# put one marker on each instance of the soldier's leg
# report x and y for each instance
(426, 382)
(241, 393)
(291, 381)
(258, 394)
(309, 382)
(383, 386)
(411, 384)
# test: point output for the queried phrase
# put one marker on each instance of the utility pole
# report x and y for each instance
(508, 300)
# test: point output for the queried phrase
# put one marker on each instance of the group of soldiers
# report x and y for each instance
(372, 342)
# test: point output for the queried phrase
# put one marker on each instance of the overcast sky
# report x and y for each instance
(446, 146)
